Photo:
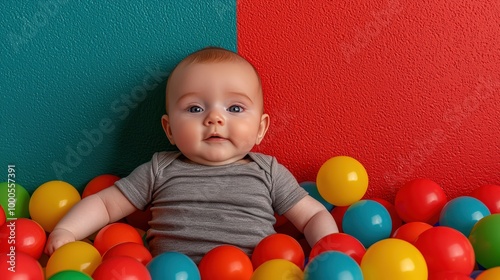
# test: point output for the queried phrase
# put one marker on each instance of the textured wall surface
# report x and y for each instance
(409, 88)
(82, 82)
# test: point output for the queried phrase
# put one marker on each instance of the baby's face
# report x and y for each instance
(215, 111)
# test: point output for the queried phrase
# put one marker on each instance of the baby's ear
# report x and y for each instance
(165, 123)
(263, 126)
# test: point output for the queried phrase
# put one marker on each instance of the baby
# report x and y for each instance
(215, 190)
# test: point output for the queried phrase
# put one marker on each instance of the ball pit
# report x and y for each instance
(464, 226)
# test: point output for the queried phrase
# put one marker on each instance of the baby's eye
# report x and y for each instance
(235, 109)
(195, 109)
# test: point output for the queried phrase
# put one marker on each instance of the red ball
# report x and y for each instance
(140, 219)
(278, 246)
(114, 234)
(129, 249)
(490, 196)
(280, 220)
(225, 262)
(396, 220)
(420, 200)
(448, 275)
(411, 231)
(2, 216)
(29, 236)
(18, 266)
(338, 215)
(446, 249)
(121, 267)
(99, 183)
(341, 242)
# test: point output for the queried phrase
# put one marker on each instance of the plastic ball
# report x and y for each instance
(393, 259)
(280, 220)
(341, 242)
(342, 180)
(70, 274)
(312, 189)
(490, 196)
(225, 262)
(333, 265)
(78, 255)
(411, 231)
(420, 200)
(278, 246)
(2, 216)
(51, 201)
(14, 200)
(490, 274)
(277, 269)
(173, 266)
(448, 275)
(446, 249)
(99, 183)
(28, 235)
(114, 234)
(485, 240)
(368, 221)
(396, 220)
(140, 219)
(338, 213)
(462, 213)
(18, 265)
(121, 267)
(129, 249)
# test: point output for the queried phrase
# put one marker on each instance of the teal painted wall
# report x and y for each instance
(82, 82)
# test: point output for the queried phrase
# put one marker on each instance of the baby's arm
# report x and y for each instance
(89, 215)
(312, 218)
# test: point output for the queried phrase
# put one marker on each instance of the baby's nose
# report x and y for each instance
(214, 117)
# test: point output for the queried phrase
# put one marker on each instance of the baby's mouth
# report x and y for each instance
(215, 137)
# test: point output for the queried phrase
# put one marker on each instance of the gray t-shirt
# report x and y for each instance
(197, 207)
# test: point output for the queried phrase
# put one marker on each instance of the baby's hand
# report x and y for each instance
(57, 238)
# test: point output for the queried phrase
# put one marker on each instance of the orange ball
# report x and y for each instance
(99, 183)
(114, 234)
(278, 246)
(410, 231)
(225, 262)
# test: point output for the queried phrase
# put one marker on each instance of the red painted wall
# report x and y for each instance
(409, 88)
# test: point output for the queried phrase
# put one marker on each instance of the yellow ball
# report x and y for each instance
(393, 259)
(490, 274)
(51, 201)
(78, 255)
(277, 269)
(342, 180)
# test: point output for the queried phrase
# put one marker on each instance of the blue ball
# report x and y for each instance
(462, 213)
(312, 189)
(333, 265)
(173, 266)
(368, 221)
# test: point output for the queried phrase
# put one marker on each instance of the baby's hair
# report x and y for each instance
(211, 55)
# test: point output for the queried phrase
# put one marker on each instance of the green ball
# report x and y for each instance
(485, 240)
(15, 200)
(70, 274)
